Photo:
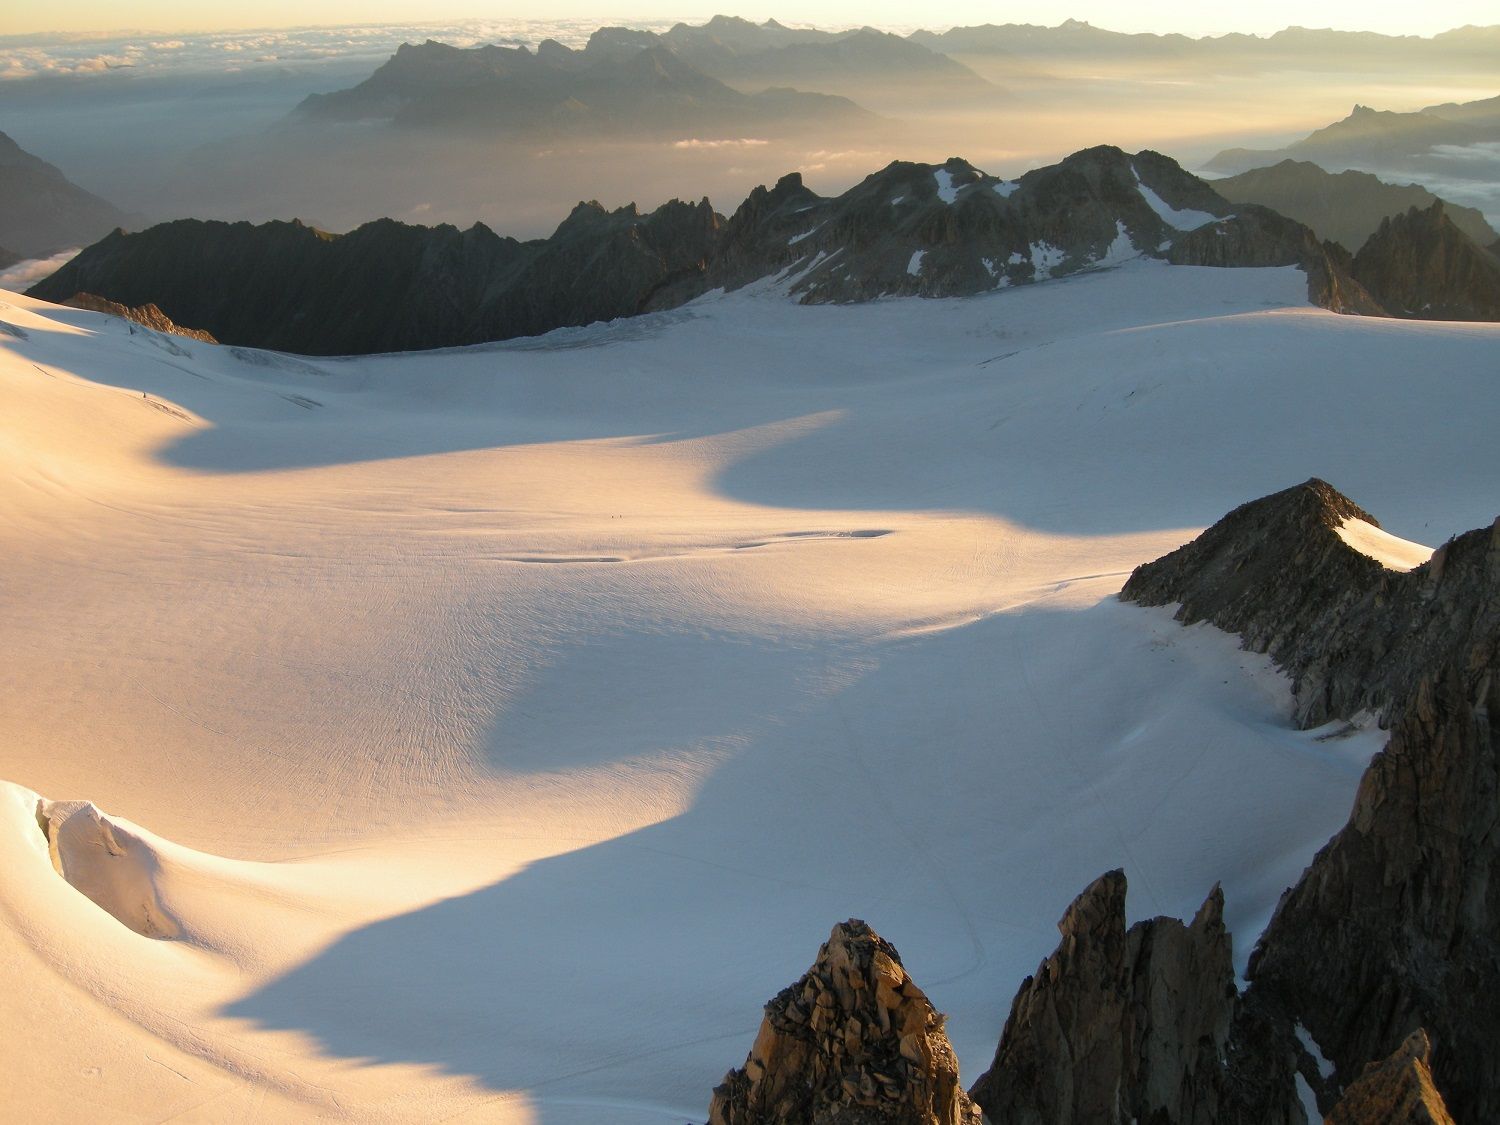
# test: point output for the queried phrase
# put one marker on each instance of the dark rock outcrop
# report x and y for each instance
(1119, 1025)
(853, 1042)
(391, 287)
(147, 316)
(42, 211)
(1352, 634)
(1395, 926)
(1343, 207)
(1395, 1091)
(1421, 265)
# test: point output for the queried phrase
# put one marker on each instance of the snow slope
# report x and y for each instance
(491, 732)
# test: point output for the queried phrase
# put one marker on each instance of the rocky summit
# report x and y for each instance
(1118, 1025)
(1395, 1091)
(1419, 264)
(1353, 634)
(853, 1042)
(908, 230)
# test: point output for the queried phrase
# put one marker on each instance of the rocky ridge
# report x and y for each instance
(910, 229)
(853, 1042)
(147, 316)
(1353, 634)
(1419, 264)
(1393, 927)
(1385, 956)
(388, 286)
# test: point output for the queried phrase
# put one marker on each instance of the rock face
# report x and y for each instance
(1421, 265)
(1395, 1091)
(1343, 207)
(147, 316)
(853, 1042)
(1395, 926)
(951, 230)
(42, 211)
(390, 287)
(1119, 1025)
(1353, 634)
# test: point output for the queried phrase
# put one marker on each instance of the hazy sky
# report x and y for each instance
(29, 16)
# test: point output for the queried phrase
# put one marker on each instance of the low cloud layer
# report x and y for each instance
(23, 275)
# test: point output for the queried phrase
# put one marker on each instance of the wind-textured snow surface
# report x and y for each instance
(488, 734)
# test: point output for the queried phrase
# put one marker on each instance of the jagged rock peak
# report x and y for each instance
(1395, 1091)
(853, 1042)
(1420, 265)
(1119, 1025)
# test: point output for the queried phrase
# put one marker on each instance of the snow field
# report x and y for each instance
(498, 728)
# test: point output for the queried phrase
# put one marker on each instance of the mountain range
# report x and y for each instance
(622, 80)
(909, 229)
(1329, 48)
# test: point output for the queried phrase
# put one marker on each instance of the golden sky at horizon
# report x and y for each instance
(31, 16)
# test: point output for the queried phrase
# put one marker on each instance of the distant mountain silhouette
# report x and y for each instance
(1075, 38)
(1372, 138)
(42, 211)
(622, 81)
(1345, 207)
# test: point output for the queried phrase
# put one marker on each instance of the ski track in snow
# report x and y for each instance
(500, 732)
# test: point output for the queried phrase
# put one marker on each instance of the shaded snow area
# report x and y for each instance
(1006, 188)
(1119, 251)
(487, 734)
(1389, 551)
(1045, 258)
(914, 266)
(1180, 220)
(945, 189)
